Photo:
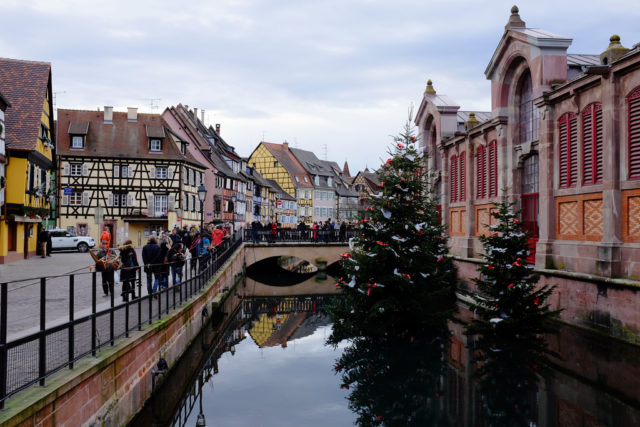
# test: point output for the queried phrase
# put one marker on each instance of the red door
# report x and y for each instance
(530, 223)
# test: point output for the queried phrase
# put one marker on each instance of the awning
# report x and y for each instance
(78, 128)
(20, 218)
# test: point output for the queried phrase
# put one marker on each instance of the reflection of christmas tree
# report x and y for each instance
(398, 279)
(394, 382)
(512, 314)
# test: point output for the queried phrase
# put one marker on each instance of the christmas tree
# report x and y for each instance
(398, 279)
(511, 311)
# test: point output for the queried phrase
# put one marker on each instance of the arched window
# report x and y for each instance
(633, 103)
(434, 149)
(592, 144)
(481, 172)
(527, 113)
(568, 142)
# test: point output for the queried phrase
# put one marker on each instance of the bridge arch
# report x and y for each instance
(311, 252)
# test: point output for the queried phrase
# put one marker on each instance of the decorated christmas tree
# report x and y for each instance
(398, 279)
(511, 311)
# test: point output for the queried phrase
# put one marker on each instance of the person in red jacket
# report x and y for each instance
(217, 237)
(105, 239)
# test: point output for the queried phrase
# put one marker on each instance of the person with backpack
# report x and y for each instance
(129, 267)
(176, 257)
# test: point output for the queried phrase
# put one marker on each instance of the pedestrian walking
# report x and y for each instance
(42, 242)
(150, 254)
(130, 265)
(176, 260)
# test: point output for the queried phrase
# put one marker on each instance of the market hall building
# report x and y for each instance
(563, 137)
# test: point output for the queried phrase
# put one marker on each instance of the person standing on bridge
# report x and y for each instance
(150, 254)
(129, 268)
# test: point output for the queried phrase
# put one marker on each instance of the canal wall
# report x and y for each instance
(601, 304)
(110, 389)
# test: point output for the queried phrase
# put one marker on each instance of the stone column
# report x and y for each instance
(609, 250)
(468, 247)
(546, 201)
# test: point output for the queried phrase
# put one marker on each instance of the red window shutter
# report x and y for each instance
(597, 144)
(587, 145)
(462, 173)
(573, 149)
(562, 142)
(480, 173)
(634, 134)
(453, 178)
(493, 169)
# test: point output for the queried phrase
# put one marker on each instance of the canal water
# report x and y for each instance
(266, 364)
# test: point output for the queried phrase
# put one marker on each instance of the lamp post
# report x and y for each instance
(233, 223)
(202, 193)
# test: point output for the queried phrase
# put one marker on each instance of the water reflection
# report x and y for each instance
(266, 364)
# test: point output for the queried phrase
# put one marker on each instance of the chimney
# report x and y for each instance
(202, 116)
(132, 114)
(285, 145)
(195, 114)
(218, 128)
(108, 114)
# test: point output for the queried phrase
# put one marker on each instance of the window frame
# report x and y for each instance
(565, 155)
(165, 172)
(156, 149)
(594, 138)
(73, 140)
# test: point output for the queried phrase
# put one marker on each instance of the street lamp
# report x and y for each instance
(202, 193)
(233, 224)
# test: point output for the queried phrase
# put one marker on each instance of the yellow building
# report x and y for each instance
(30, 143)
(276, 162)
(124, 171)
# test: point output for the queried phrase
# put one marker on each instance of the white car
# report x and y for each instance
(62, 239)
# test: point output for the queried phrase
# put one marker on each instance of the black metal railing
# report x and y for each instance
(295, 235)
(31, 358)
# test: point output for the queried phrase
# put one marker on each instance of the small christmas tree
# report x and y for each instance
(511, 312)
(398, 279)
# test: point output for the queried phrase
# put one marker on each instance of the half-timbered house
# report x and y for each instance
(126, 171)
(30, 144)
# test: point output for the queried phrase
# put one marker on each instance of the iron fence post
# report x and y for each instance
(42, 347)
(112, 289)
(166, 293)
(3, 343)
(71, 318)
(93, 313)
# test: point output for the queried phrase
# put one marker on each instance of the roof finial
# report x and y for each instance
(614, 52)
(430, 90)
(514, 19)
(472, 121)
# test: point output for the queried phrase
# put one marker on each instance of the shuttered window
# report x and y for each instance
(493, 169)
(480, 173)
(592, 144)
(568, 139)
(453, 178)
(461, 179)
(634, 134)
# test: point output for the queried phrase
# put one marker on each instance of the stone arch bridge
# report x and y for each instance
(315, 253)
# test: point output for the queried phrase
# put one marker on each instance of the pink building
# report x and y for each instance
(563, 137)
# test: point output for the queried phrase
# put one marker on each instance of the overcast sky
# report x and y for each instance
(339, 74)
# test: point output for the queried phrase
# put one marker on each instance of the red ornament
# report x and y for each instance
(388, 162)
(495, 233)
(490, 267)
(346, 255)
(510, 285)
(400, 145)
(379, 418)
(440, 258)
(381, 184)
(536, 301)
(345, 386)
(413, 138)
(515, 221)
(517, 264)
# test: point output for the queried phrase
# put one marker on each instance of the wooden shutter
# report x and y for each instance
(116, 171)
(587, 145)
(130, 200)
(480, 173)
(65, 199)
(110, 199)
(150, 205)
(152, 172)
(85, 169)
(597, 145)
(563, 126)
(185, 176)
(85, 198)
(170, 174)
(573, 150)
(493, 169)
(453, 178)
(66, 169)
(634, 134)
(462, 171)
(171, 202)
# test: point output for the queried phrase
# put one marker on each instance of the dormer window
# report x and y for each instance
(297, 179)
(155, 145)
(306, 179)
(77, 141)
(329, 182)
(183, 149)
(317, 180)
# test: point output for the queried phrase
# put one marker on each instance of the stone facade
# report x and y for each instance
(563, 139)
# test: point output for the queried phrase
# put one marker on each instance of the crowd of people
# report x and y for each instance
(319, 231)
(165, 255)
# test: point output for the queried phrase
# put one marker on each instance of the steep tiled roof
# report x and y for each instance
(24, 85)
(119, 139)
(311, 163)
(283, 154)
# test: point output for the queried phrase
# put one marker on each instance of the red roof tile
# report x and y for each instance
(24, 85)
(290, 163)
(120, 138)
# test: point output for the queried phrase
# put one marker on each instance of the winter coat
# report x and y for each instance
(151, 255)
(129, 262)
